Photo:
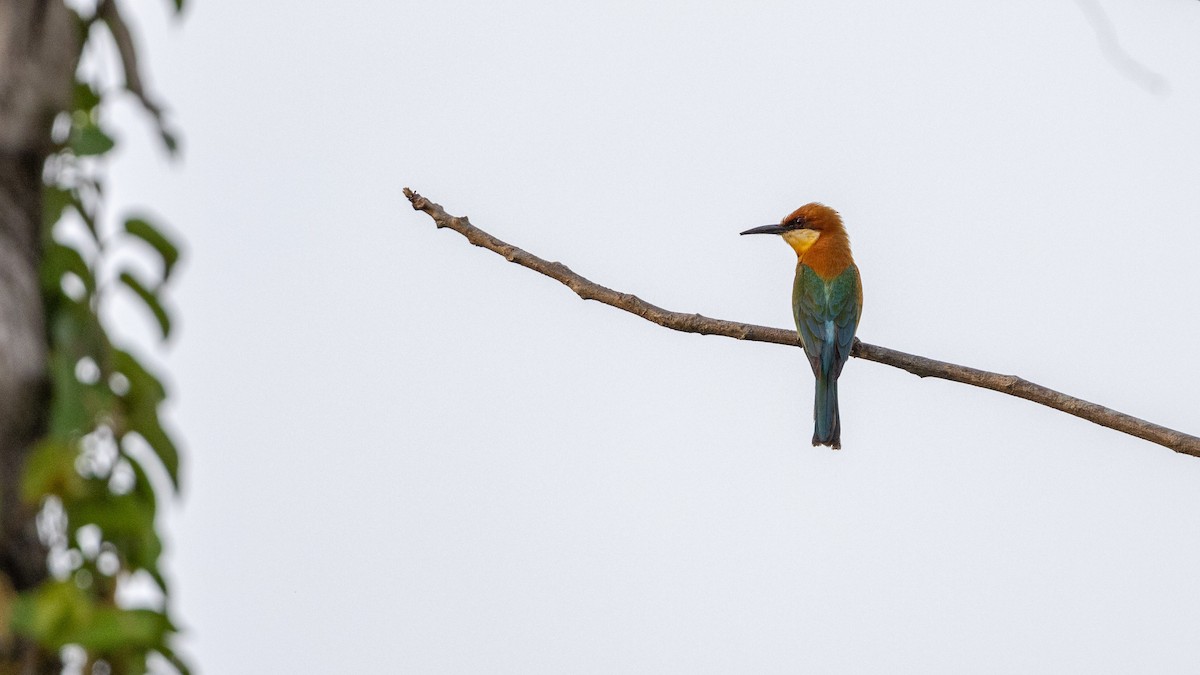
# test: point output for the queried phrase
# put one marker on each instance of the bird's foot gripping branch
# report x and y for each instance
(917, 365)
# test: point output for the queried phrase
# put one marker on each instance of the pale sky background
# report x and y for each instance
(406, 455)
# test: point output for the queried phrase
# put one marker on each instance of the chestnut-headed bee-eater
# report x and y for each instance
(826, 301)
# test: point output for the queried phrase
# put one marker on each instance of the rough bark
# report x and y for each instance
(39, 47)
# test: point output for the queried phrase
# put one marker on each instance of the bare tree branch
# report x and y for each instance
(108, 12)
(1116, 55)
(917, 365)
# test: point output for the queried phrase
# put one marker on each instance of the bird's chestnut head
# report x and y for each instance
(802, 227)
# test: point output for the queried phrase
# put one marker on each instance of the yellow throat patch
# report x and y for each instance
(801, 240)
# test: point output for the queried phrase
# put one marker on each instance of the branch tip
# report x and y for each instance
(419, 203)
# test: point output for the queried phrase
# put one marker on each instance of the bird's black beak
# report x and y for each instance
(767, 229)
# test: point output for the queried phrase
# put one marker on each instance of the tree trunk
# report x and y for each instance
(39, 47)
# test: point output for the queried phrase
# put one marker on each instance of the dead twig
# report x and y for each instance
(108, 12)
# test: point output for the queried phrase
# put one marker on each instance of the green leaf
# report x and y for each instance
(55, 200)
(75, 329)
(111, 628)
(127, 522)
(143, 489)
(50, 469)
(89, 218)
(59, 260)
(174, 660)
(147, 232)
(145, 390)
(69, 417)
(178, 6)
(141, 411)
(59, 613)
(142, 551)
(150, 298)
(50, 612)
(86, 98)
(148, 427)
(75, 332)
(90, 140)
(129, 663)
(116, 515)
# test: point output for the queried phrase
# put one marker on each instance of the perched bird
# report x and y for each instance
(826, 301)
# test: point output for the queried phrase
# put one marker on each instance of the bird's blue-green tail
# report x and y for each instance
(828, 427)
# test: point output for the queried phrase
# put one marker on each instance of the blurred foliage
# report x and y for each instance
(94, 475)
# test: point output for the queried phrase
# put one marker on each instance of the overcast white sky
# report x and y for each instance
(407, 455)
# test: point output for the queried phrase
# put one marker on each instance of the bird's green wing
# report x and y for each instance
(826, 316)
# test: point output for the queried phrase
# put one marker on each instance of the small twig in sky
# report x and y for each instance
(917, 365)
(108, 12)
(1115, 54)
